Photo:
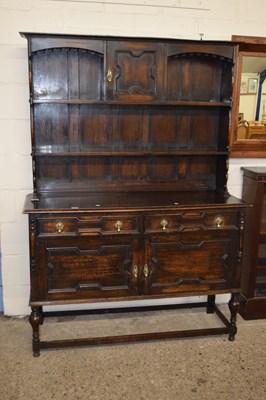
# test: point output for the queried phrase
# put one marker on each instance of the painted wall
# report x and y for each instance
(214, 19)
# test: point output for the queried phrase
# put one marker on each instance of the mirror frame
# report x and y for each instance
(246, 46)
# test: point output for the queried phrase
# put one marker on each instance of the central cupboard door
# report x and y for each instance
(134, 70)
(191, 262)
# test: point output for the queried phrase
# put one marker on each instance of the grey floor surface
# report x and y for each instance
(204, 368)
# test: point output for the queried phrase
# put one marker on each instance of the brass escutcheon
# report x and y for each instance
(59, 227)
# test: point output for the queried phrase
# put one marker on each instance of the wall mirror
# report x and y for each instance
(248, 119)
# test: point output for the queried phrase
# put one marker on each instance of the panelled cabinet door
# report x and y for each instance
(193, 262)
(134, 71)
(79, 268)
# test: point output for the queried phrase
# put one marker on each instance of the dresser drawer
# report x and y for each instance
(88, 225)
(192, 221)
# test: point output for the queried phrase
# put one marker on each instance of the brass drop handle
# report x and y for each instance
(218, 221)
(164, 223)
(135, 271)
(118, 225)
(146, 271)
(59, 227)
(109, 75)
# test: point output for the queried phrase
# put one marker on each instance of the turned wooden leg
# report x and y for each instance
(36, 319)
(210, 304)
(233, 307)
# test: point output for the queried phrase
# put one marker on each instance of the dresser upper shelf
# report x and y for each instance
(128, 102)
(122, 114)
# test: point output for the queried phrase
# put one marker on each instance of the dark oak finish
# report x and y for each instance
(253, 298)
(130, 153)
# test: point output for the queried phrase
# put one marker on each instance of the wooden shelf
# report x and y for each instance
(194, 103)
(130, 153)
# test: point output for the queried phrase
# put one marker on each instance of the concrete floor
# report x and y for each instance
(205, 368)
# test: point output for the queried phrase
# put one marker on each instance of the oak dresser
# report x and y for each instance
(130, 159)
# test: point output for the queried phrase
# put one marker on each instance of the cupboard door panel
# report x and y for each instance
(192, 262)
(134, 70)
(92, 268)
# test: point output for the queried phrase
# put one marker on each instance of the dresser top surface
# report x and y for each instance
(44, 35)
(128, 201)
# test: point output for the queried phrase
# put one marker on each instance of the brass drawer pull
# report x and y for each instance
(59, 227)
(146, 271)
(218, 221)
(135, 271)
(118, 225)
(109, 75)
(164, 224)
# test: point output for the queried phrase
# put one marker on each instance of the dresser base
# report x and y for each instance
(37, 318)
